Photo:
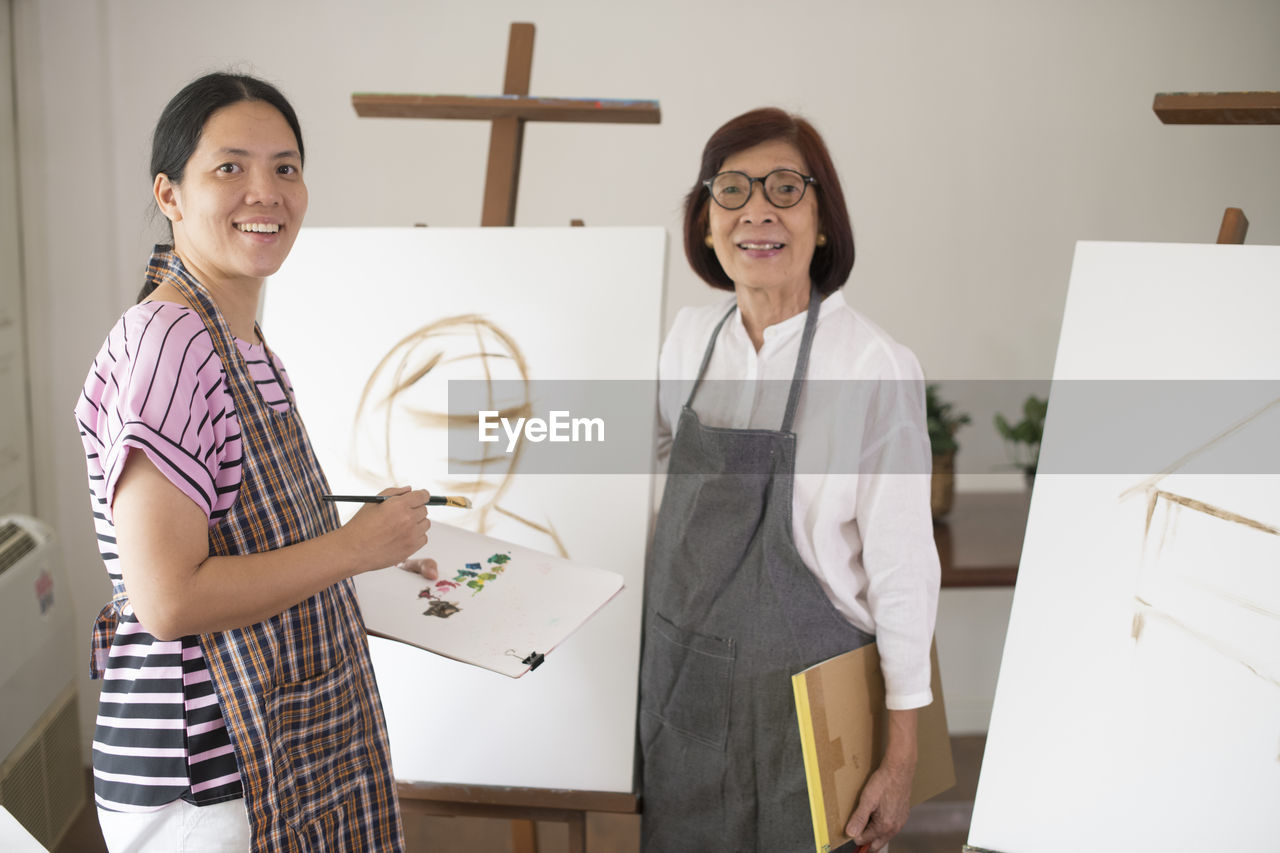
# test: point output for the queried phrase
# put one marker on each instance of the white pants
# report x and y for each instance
(178, 828)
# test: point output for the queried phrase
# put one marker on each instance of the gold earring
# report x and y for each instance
(821, 241)
(710, 241)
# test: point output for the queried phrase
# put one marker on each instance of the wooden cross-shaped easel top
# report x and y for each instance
(1220, 108)
(508, 112)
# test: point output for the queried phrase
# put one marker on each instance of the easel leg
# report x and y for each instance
(578, 832)
(506, 139)
(524, 836)
(502, 177)
(1234, 226)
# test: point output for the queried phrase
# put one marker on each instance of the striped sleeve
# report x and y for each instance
(162, 390)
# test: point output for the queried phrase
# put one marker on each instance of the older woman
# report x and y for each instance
(239, 709)
(759, 567)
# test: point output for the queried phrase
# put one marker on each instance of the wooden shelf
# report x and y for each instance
(1218, 107)
(980, 540)
(490, 107)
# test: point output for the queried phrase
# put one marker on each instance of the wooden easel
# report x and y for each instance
(1211, 108)
(523, 807)
(1221, 108)
(508, 112)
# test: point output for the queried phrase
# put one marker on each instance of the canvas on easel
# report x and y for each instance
(840, 707)
(375, 325)
(1140, 681)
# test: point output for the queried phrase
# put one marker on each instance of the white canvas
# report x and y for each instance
(494, 604)
(579, 304)
(1138, 705)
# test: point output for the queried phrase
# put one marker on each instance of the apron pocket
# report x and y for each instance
(327, 830)
(317, 721)
(685, 683)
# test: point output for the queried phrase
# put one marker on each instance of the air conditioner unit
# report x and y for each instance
(42, 781)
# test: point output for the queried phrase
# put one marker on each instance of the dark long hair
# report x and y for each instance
(181, 124)
(831, 263)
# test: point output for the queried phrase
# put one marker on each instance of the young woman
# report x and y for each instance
(239, 709)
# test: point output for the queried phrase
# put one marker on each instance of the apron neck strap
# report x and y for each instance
(802, 359)
(167, 266)
(706, 356)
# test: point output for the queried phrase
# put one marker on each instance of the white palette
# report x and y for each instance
(494, 604)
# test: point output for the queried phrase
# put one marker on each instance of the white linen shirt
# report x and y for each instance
(862, 527)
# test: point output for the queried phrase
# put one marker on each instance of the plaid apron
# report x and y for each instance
(297, 690)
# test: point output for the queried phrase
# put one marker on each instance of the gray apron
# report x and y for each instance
(731, 612)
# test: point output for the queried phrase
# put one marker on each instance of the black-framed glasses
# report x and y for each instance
(782, 187)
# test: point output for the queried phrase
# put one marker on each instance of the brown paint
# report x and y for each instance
(1148, 610)
(403, 378)
(1151, 481)
(1216, 512)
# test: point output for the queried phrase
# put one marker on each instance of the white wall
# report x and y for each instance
(15, 422)
(976, 141)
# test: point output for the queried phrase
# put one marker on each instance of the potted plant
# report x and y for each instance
(1023, 438)
(943, 423)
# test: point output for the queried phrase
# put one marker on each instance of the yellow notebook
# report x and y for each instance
(840, 705)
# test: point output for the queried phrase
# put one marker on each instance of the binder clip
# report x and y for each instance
(533, 660)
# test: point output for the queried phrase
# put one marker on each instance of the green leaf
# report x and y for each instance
(941, 422)
(1025, 436)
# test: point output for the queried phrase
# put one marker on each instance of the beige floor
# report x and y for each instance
(938, 826)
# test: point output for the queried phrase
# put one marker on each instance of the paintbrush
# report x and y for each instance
(434, 500)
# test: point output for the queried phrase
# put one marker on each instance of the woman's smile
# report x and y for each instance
(258, 227)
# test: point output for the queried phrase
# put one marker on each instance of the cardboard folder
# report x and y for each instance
(843, 725)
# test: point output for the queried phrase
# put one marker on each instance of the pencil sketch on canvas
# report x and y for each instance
(402, 409)
(1210, 557)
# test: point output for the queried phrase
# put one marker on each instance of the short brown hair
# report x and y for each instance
(831, 263)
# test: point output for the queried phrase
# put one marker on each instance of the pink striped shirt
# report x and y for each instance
(157, 386)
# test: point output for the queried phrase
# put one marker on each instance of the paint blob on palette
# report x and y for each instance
(472, 578)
